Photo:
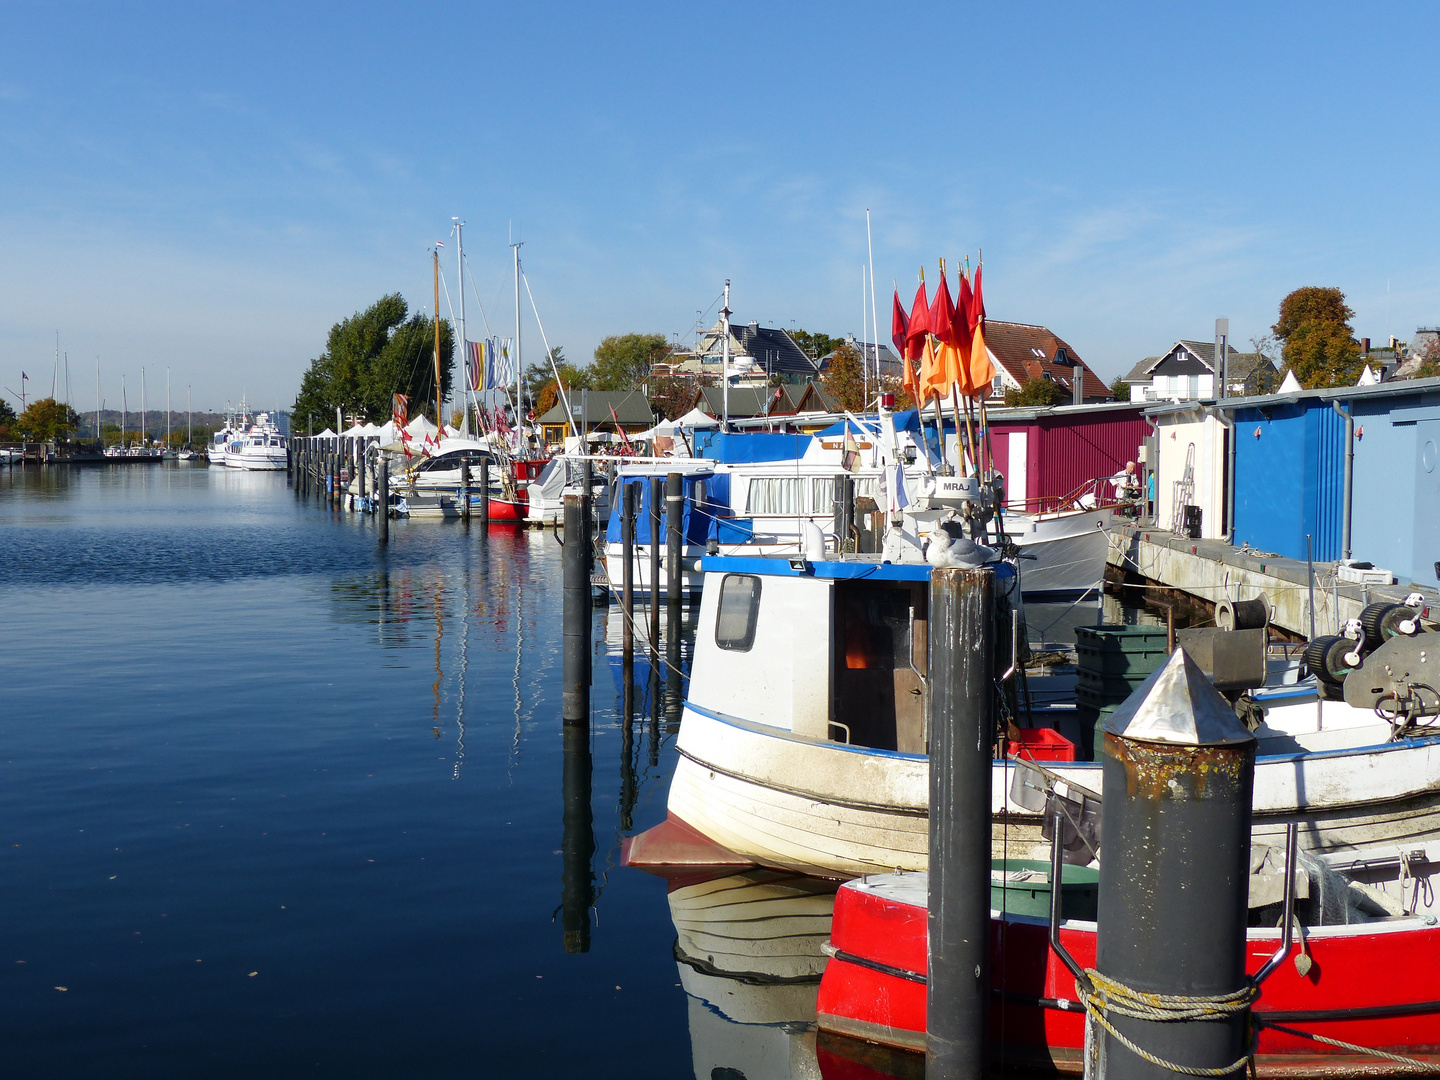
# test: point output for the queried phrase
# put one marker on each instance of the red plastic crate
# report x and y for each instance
(1043, 744)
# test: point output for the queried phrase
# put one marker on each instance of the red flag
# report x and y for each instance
(899, 324)
(917, 330)
(977, 304)
(964, 302)
(942, 313)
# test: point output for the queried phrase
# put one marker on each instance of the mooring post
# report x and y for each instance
(587, 504)
(465, 490)
(382, 500)
(657, 496)
(627, 592)
(484, 509)
(575, 696)
(962, 729)
(1178, 774)
(362, 466)
(577, 843)
(675, 582)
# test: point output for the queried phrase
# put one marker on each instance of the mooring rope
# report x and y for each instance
(1400, 1059)
(1109, 995)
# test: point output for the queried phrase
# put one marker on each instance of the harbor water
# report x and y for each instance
(276, 801)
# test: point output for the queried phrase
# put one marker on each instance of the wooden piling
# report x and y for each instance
(575, 618)
(675, 582)
(382, 496)
(962, 730)
(657, 488)
(485, 493)
(627, 592)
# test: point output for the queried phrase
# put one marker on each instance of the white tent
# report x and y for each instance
(356, 432)
(420, 427)
(1368, 377)
(1291, 385)
(697, 419)
(326, 434)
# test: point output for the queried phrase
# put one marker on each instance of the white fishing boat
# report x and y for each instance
(803, 741)
(261, 448)
(756, 493)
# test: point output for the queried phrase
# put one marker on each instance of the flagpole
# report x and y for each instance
(874, 316)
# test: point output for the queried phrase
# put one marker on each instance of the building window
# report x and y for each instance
(738, 612)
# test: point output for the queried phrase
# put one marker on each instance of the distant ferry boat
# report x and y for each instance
(262, 448)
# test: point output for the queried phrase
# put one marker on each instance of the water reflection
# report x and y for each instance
(577, 846)
(748, 952)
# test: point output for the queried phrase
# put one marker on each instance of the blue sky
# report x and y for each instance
(208, 187)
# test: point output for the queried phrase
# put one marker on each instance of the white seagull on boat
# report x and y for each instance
(948, 546)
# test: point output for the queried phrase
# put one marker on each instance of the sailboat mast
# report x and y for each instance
(518, 367)
(97, 404)
(144, 429)
(167, 408)
(440, 423)
(189, 403)
(725, 358)
(464, 344)
(124, 413)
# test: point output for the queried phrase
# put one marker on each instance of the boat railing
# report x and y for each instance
(1100, 493)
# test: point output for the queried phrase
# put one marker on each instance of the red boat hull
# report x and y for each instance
(1370, 984)
(509, 510)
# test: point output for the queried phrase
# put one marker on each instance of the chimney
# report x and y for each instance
(1364, 346)
(1077, 385)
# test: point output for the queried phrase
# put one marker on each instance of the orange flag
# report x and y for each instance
(980, 371)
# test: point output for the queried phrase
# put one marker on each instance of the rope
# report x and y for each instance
(1399, 1059)
(1109, 995)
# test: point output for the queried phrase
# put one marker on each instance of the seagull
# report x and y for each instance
(946, 545)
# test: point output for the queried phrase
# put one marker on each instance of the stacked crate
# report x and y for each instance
(1113, 661)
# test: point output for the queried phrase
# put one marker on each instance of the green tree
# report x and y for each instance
(816, 345)
(624, 361)
(47, 420)
(1037, 394)
(369, 357)
(1120, 388)
(7, 421)
(1318, 344)
(844, 378)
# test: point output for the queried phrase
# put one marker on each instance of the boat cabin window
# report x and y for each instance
(739, 607)
(778, 495)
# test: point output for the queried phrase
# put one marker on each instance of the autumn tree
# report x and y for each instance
(571, 377)
(1318, 343)
(624, 361)
(671, 396)
(844, 378)
(47, 420)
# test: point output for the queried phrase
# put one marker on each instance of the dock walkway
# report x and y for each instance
(1213, 570)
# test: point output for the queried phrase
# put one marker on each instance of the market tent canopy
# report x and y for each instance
(326, 434)
(697, 419)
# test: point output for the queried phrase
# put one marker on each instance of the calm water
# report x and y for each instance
(272, 804)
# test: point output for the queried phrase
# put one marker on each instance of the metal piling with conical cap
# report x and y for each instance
(1179, 774)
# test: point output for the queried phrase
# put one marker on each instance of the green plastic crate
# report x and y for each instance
(1110, 687)
(1079, 890)
(1120, 650)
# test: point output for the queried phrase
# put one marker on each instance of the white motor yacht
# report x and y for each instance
(261, 449)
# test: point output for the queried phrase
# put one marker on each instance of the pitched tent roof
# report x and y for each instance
(696, 419)
(1027, 351)
(631, 406)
